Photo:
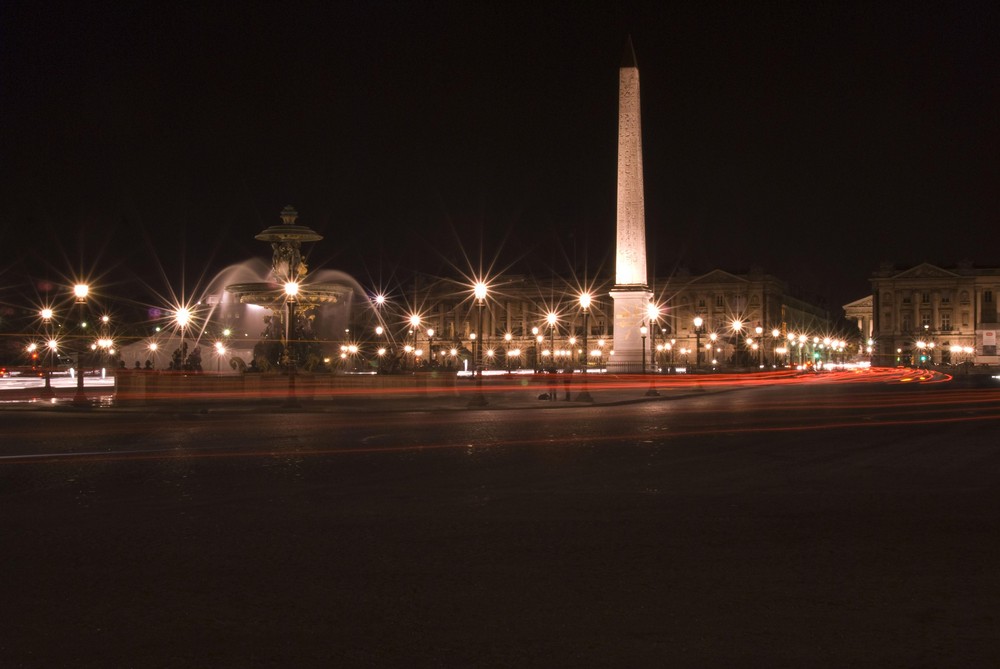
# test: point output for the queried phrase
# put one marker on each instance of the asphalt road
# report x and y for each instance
(802, 525)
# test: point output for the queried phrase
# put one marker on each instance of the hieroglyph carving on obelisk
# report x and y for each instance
(631, 293)
(630, 265)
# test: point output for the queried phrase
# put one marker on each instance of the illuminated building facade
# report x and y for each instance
(519, 305)
(935, 315)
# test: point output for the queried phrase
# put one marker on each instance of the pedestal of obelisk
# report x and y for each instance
(631, 293)
(630, 315)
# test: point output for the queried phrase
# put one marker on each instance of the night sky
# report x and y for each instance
(146, 145)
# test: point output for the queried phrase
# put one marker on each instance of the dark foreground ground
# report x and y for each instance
(807, 525)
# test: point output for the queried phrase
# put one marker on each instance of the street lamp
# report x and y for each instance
(430, 346)
(699, 322)
(220, 351)
(538, 347)
(182, 316)
(653, 313)
(760, 344)
(414, 328)
(552, 320)
(479, 291)
(381, 350)
(584, 395)
(80, 293)
(46, 316)
(737, 327)
(507, 337)
(291, 290)
(642, 333)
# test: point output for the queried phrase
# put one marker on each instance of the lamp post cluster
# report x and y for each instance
(816, 351)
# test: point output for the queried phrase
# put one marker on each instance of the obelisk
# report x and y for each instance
(631, 293)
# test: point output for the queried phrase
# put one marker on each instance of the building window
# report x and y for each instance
(945, 298)
(965, 319)
(987, 296)
(906, 299)
(701, 302)
(754, 300)
(925, 321)
(965, 296)
(906, 323)
(925, 298)
(945, 322)
(720, 301)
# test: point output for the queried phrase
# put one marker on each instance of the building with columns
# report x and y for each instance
(518, 306)
(722, 298)
(945, 315)
(859, 312)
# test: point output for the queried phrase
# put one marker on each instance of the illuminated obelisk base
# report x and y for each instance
(631, 306)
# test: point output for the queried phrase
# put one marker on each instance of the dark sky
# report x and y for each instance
(148, 144)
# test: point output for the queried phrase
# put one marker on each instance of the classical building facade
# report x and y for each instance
(859, 312)
(515, 317)
(934, 314)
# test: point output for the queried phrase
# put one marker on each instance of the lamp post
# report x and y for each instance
(651, 391)
(760, 344)
(552, 320)
(182, 316)
(538, 348)
(653, 315)
(737, 327)
(291, 290)
(479, 291)
(430, 347)
(414, 328)
(80, 292)
(642, 333)
(46, 316)
(381, 349)
(699, 322)
(507, 337)
(514, 353)
(585, 299)
(775, 333)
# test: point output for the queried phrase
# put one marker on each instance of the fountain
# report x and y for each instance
(289, 313)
